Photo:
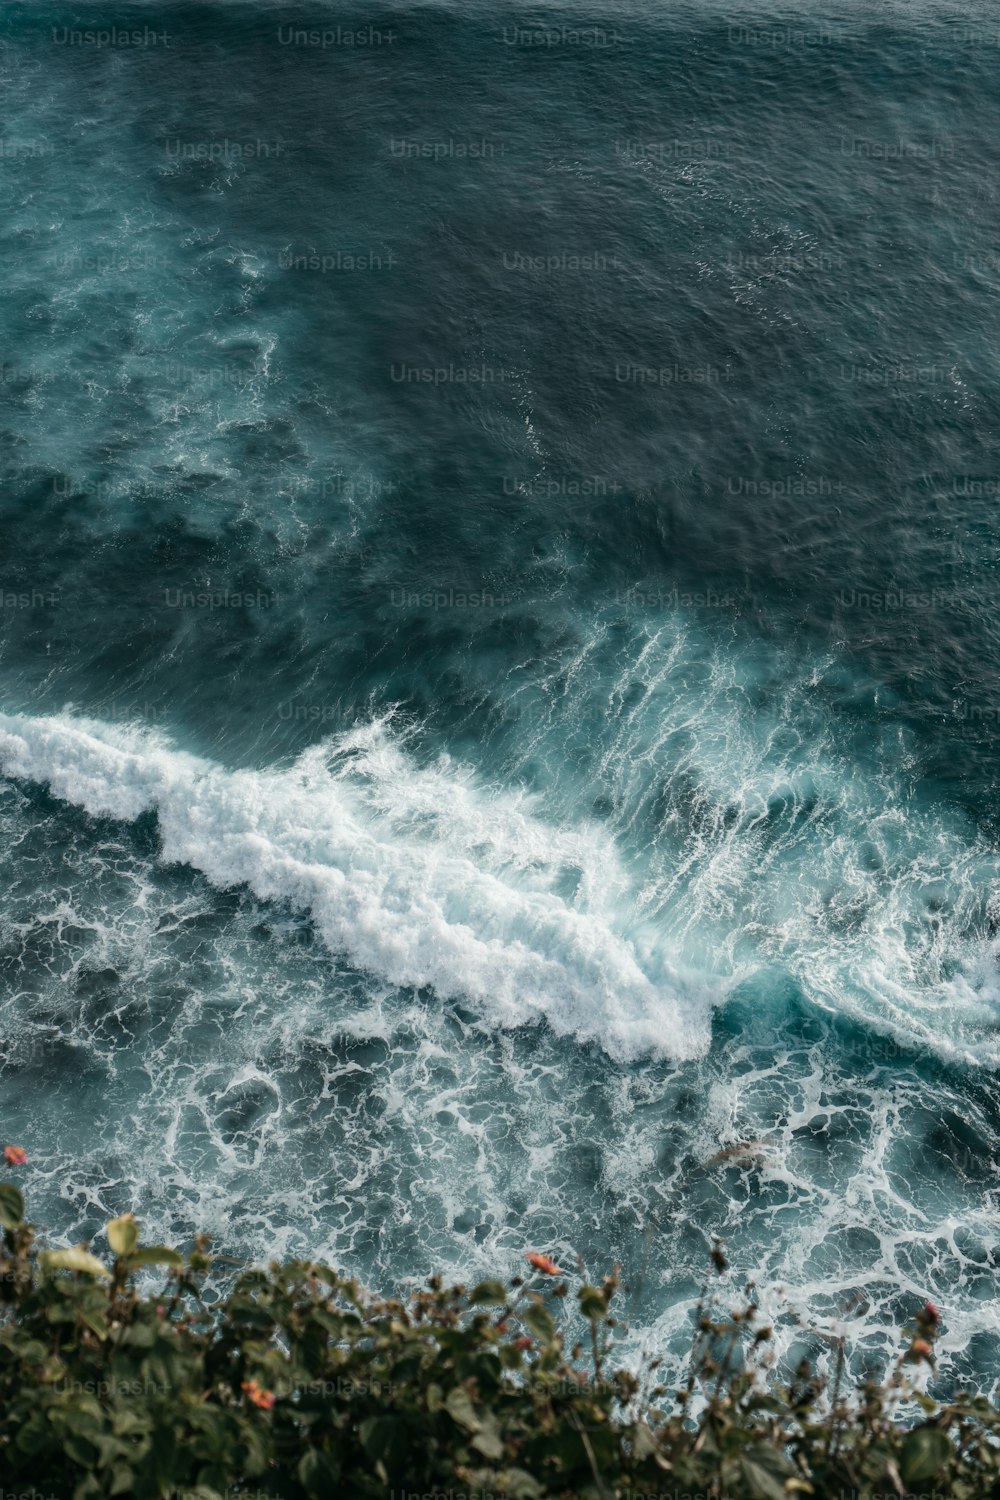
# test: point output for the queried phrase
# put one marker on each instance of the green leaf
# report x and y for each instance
(243, 1311)
(123, 1234)
(765, 1471)
(138, 1336)
(83, 1422)
(540, 1321)
(377, 1436)
(80, 1451)
(924, 1453)
(73, 1260)
(96, 1322)
(520, 1485)
(317, 1474)
(488, 1442)
(11, 1206)
(492, 1293)
(155, 1255)
(461, 1410)
(593, 1303)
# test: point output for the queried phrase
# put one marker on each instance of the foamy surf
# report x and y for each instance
(416, 876)
(773, 842)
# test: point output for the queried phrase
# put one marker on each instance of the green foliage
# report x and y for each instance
(11, 1206)
(301, 1385)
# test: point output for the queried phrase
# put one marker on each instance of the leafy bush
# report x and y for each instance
(300, 1384)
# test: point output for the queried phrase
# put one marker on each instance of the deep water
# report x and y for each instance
(499, 643)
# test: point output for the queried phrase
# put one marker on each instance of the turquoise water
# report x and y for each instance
(499, 666)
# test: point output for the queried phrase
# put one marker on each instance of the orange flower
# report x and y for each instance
(544, 1263)
(15, 1156)
(921, 1348)
(255, 1393)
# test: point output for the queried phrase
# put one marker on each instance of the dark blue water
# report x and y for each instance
(499, 653)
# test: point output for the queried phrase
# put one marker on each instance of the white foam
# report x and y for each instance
(418, 876)
(785, 839)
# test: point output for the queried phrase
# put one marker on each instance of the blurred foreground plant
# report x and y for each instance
(301, 1384)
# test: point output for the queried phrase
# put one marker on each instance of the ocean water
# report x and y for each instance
(500, 646)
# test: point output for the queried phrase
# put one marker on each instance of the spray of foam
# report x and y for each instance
(416, 875)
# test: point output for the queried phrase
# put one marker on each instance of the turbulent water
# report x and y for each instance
(499, 643)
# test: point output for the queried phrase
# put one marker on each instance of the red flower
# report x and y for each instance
(15, 1156)
(255, 1393)
(544, 1263)
(931, 1312)
(522, 1343)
